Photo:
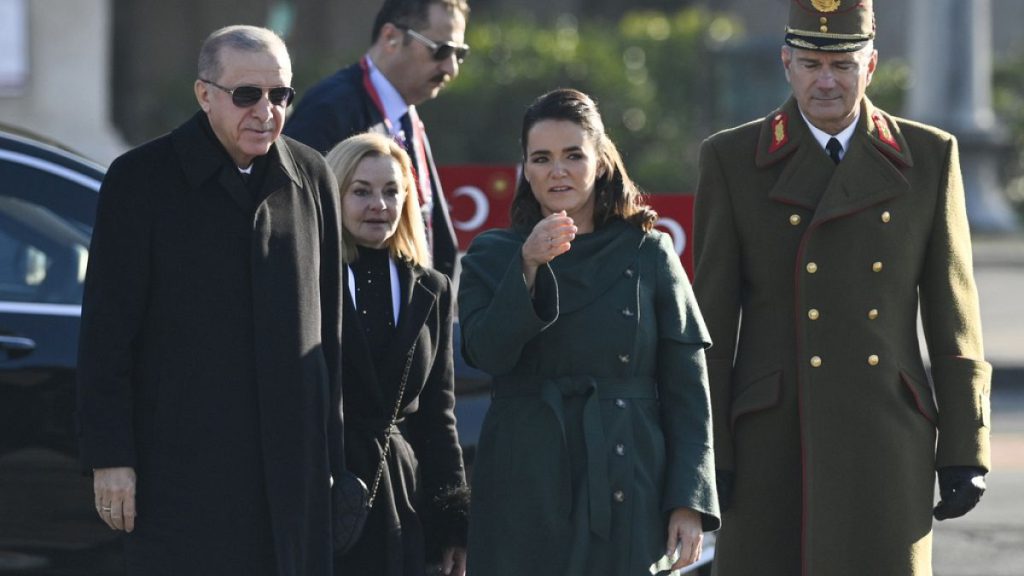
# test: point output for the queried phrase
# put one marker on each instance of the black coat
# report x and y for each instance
(338, 107)
(425, 459)
(210, 352)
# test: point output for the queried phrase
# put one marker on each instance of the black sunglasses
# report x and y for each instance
(246, 96)
(440, 51)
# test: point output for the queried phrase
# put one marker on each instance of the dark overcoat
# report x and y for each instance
(600, 422)
(425, 460)
(822, 404)
(210, 351)
(340, 106)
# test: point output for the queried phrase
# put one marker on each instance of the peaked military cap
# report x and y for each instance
(830, 25)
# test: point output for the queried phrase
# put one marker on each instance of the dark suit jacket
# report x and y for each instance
(425, 458)
(338, 107)
(210, 350)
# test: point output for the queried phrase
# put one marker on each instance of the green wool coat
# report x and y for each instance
(600, 422)
(821, 401)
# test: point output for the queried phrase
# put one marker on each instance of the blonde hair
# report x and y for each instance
(409, 242)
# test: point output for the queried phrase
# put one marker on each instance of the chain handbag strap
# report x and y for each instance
(387, 433)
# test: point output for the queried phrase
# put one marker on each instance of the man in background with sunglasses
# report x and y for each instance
(210, 337)
(417, 47)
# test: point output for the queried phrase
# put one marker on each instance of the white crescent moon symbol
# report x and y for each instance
(675, 230)
(482, 208)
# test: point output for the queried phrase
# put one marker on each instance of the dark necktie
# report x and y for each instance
(407, 136)
(834, 148)
(411, 141)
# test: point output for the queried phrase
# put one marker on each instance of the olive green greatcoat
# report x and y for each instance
(600, 423)
(825, 413)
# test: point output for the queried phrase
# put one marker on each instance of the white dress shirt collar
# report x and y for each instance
(823, 137)
(394, 105)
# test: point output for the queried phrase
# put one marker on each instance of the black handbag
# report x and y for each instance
(352, 501)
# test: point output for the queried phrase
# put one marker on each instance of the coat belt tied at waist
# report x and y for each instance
(594, 389)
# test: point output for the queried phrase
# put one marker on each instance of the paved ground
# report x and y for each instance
(990, 540)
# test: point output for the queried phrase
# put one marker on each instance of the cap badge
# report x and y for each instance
(826, 5)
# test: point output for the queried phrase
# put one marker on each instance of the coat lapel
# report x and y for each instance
(203, 158)
(417, 303)
(807, 169)
(870, 172)
(281, 172)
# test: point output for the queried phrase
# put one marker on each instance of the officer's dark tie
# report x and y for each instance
(834, 148)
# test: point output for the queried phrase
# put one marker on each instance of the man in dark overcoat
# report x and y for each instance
(210, 342)
(820, 231)
(417, 47)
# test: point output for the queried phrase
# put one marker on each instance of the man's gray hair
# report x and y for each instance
(238, 37)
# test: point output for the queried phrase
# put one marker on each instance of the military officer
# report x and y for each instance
(826, 226)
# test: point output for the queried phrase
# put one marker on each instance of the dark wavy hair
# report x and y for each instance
(615, 195)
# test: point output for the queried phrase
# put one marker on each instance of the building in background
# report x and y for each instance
(55, 73)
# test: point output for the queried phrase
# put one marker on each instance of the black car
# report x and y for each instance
(47, 205)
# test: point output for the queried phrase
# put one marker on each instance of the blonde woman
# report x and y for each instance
(397, 369)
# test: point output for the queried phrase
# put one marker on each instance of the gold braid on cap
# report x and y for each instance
(830, 35)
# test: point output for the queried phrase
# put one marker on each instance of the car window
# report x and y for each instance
(45, 225)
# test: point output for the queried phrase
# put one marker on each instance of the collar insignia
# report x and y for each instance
(780, 132)
(884, 132)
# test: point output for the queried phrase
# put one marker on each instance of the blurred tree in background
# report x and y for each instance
(648, 73)
(663, 81)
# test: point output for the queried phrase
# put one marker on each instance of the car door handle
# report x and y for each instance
(17, 346)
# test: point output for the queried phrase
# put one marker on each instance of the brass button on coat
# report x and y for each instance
(872, 314)
(813, 314)
(886, 217)
(815, 361)
(812, 267)
(795, 219)
(877, 266)
(873, 360)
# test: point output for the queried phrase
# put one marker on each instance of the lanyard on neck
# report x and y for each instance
(364, 64)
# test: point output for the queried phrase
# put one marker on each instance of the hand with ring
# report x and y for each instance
(114, 490)
(550, 238)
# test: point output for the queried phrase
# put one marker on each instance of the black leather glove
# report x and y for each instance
(725, 482)
(960, 489)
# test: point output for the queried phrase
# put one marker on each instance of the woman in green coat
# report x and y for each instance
(595, 456)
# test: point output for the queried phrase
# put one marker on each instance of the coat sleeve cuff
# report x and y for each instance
(962, 389)
(106, 450)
